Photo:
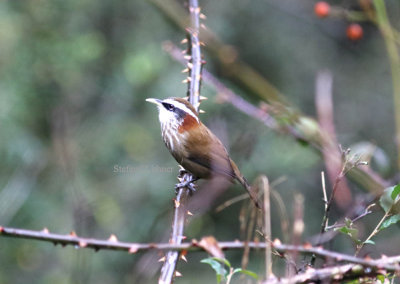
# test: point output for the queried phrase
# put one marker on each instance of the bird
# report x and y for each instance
(194, 146)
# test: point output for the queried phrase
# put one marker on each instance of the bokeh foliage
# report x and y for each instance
(73, 79)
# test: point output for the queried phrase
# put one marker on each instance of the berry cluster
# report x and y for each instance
(323, 9)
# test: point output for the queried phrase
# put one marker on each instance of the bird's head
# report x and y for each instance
(176, 113)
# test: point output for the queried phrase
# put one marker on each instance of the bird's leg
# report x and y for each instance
(186, 180)
(182, 172)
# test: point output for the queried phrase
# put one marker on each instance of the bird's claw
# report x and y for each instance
(188, 184)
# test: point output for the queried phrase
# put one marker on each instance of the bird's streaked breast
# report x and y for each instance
(172, 138)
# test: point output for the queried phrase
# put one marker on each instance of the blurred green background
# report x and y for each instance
(73, 79)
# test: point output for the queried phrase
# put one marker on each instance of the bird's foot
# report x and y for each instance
(186, 180)
(188, 184)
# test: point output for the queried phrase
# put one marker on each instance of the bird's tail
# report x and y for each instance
(242, 180)
(250, 191)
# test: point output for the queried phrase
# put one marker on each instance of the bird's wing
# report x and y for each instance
(206, 150)
(216, 164)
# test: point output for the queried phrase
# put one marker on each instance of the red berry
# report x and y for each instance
(354, 32)
(321, 9)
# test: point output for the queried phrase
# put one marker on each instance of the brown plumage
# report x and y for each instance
(193, 145)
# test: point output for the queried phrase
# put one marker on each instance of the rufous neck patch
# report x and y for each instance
(188, 123)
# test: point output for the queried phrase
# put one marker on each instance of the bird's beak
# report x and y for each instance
(154, 101)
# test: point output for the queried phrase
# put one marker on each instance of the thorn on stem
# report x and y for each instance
(183, 257)
(178, 274)
(113, 238)
(133, 249)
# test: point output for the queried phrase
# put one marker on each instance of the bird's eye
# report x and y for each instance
(169, 106)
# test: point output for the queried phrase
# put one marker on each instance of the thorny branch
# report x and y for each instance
(194, 82)
(390, 264)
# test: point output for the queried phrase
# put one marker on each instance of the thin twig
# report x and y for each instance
(374, 232)
(365, 213)
(324, 189)
(348, 164)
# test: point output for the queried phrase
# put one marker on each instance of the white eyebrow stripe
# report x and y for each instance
(182, 107)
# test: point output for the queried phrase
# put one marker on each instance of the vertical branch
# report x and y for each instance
(267, 228)
(195, 55)
(194, 80)
(330, 151)
(178, 225)
(394, 59)
(298, 229)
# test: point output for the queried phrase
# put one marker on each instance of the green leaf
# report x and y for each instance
(369, 242)
(247, 272)
(222, 261)
(390, 221)
(351, 232)
(381, 278)
(218, 267)
(395, 192)
(389, 200)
